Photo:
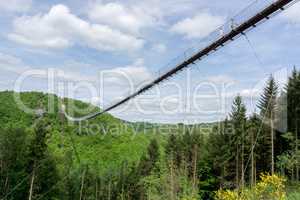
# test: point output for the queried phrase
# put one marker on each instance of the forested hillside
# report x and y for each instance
(43, 156)
(67, 148)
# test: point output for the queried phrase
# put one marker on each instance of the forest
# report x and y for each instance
(43, 156)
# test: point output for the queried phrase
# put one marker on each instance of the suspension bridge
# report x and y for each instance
(248, 19)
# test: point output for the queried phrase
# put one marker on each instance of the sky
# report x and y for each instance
(99, 51)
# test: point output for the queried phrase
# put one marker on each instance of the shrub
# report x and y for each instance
(227, 195)
(269, 187)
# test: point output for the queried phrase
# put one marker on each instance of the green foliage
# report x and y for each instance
(269, 187)
(58, 150)
(293, 99)
(267, 102)
(288, 161)
(105, 147)
(293, 195)
(107, 158)
(24, 157)
(13, 160)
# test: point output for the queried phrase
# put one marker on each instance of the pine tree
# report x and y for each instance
(293, 110)
(238, 119)
(292, 104)
(173, 149)
(267, 106)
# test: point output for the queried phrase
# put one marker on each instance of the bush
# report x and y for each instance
(269, 187)
(227, 195)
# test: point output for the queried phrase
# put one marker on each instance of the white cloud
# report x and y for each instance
(122, 77)
(6, 59)
(11, 63)
(251, 93)
(199, 26)
(60, 29)
(292, 14)
(159, 48)
(131, 75)
(130, 19)
(15, 5)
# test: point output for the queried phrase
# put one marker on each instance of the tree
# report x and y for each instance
(13, 159)
(148, 161)
(134, 183)
(267, 106)
(293, 109)
(238, 119)
(173, 149)
(41, 166)
(288, 161)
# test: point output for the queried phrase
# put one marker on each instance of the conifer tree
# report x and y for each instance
(293, 110)
(238, 119)
(267, 106)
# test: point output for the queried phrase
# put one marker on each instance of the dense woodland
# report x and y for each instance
(44, 157)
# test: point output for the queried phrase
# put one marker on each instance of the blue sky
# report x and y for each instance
(80, 40)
